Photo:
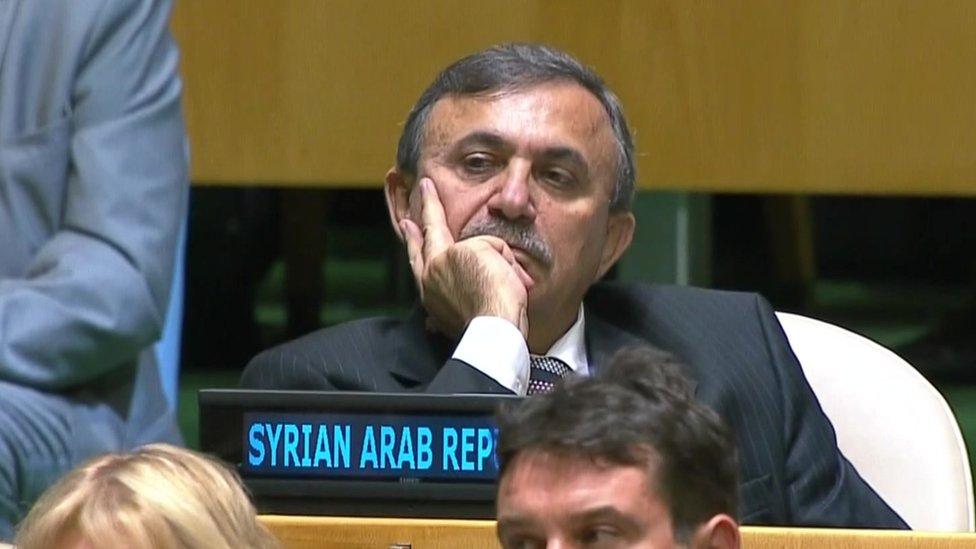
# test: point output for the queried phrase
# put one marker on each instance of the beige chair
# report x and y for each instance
(891, 424)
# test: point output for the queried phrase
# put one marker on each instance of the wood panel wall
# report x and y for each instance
(872, 96)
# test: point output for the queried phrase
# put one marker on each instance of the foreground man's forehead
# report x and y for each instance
(582, 484)
(544, 495)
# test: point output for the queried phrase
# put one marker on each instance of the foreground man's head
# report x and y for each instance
(524, 143)
(628, 459)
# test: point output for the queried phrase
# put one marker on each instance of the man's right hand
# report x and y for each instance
(459, 281)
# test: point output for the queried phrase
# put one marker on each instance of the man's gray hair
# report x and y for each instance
(513, 67)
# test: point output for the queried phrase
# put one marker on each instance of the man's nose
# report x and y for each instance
(513, 198)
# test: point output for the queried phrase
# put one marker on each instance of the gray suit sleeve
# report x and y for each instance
(95, 293)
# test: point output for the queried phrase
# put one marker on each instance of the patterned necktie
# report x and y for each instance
(544, 373)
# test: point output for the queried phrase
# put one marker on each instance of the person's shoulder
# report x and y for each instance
(682, 310)
(614, 295)
(317, 351)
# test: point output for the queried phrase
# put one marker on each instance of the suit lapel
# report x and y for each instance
(603, 339)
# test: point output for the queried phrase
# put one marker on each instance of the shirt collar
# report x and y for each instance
(571, 347)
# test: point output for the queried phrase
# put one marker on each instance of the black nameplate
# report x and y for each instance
(370, 446)
(362, 454)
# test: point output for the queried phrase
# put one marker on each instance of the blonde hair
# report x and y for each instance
(159, 497)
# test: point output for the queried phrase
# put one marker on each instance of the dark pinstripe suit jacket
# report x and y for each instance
(736, 355)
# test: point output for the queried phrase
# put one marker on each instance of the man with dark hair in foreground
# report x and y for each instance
(512, 192)
(626, 459)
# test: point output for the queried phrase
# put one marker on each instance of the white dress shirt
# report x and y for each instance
(496, 348)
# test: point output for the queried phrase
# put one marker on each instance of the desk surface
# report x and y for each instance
(351, 533)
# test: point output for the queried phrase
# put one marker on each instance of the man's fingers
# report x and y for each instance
(436, 235)
(415, 243)
(505, 250)
(523, 275)
(498, 244)
(523, 323)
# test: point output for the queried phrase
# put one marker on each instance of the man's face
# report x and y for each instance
(547, 501)
(536, 167)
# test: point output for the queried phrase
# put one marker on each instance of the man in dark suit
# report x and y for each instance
(512, 191)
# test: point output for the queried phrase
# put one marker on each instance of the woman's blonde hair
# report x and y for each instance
(159, 497)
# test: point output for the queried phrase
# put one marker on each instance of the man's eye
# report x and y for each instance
(601, 537)
(522, 542)
(478, 163)
(558, 177)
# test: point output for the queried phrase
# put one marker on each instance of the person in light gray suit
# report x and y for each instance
(93, 190)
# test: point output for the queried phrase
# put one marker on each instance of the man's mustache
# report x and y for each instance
(516, 235)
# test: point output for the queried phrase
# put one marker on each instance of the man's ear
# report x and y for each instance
(620, 232)
(720, 532)
(397, 192)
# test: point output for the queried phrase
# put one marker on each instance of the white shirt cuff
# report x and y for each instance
(496, 348)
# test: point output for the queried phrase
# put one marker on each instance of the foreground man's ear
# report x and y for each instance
(397, 192)
(720, 532)
(620, 232)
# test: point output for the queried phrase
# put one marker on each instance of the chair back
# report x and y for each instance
(891, 423)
